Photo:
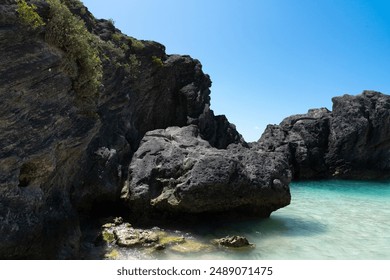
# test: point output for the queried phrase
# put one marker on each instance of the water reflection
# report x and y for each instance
(292, 226)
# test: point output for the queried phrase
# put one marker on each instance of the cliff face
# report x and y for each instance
(93, 121)
(43, 134)
(350, 142)
(74, 108)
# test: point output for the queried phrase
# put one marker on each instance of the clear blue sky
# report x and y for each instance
(268, 59)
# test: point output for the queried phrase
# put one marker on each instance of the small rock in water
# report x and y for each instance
(129, 237)
(232, 241)
(159, 247)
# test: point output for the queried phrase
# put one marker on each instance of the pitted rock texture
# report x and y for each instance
(175, 171)
(359, 140)
(350, 142)
(303, 139)
(42, 134)
(63, 160)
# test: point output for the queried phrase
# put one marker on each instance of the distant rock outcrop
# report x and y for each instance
(303, 139)
(351, 142)
(359, 140)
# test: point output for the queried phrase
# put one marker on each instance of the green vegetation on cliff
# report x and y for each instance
(157, 61)
(67, 32)
(28, 15)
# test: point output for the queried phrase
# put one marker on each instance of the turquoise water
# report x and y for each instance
(325, 220)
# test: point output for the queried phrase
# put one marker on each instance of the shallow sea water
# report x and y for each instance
(339, 220)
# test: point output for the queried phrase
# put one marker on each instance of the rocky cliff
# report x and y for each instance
(77, 97)
(350, 142)
(94, 122)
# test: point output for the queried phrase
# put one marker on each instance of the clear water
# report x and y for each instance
(326, 220)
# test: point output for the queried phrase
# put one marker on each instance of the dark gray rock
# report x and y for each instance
(232, 241)
(43, 136)
(175, 171)
(359, 140)
(62, 158)
(351, 142)
(304, 141)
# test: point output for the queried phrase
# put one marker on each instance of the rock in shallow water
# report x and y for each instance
(175, 171)
(232, 241)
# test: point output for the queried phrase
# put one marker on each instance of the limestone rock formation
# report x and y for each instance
(175, 171)
(95, 122)
(43, 136)
(351, 142)
(65, 149)
(359, 140)
(303, 139)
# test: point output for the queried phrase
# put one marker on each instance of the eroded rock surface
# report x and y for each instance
(176, 171)
(303, 139)
(233, 241)
(62, 157)
(351, 142)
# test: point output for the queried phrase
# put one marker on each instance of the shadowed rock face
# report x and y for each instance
(62, 158)
(351, 142)
(175, 171)
(43, 136)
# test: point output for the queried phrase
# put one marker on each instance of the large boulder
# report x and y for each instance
(176, 172)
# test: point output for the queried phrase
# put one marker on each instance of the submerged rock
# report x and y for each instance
(190, 246)
(129, 237)
(175, 171)
(167, 240)
(123, 238)
(112, 255)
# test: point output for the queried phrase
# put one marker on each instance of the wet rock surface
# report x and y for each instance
(121, 239)
(233, 241)
(124, 241)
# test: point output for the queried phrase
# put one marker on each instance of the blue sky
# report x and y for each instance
(268, 59)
